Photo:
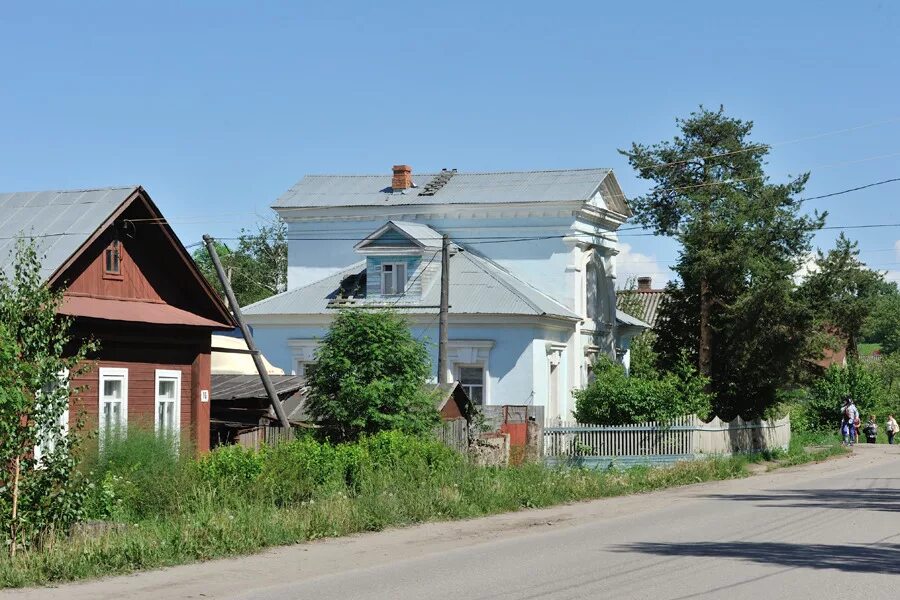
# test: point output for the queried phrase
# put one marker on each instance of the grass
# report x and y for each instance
(175, 510)
(868, 349)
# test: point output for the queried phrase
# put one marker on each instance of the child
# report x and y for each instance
(871, 430)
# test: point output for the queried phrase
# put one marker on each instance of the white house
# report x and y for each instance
(532, 273)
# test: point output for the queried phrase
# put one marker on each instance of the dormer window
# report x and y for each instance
(393, 279)
(112, 262)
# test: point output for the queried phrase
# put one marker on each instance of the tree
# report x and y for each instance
(883, 324)
(369, 376)
(844, 290)
(614, 398)
(41, 490)
(257, 267)
(742, 238)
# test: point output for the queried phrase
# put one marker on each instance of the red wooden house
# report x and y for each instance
(130, 285)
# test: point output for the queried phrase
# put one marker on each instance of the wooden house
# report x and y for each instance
(131, 286)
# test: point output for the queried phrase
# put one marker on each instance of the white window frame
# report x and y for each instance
(471, 353)
(169, 375)
(393, 274)
(303, 354)
(63, 423)
(476, 365)
(112, 373)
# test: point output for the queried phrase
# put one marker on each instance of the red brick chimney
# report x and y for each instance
(645, 284)
(402, 177)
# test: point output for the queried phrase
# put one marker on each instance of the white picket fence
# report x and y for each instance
(684, 438)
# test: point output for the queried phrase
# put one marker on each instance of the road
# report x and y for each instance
(820, 531)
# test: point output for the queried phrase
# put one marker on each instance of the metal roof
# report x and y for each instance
(477, 286)
(649, 301)
(59, 221)
(463, 188)
(623, 318)
(417, 232)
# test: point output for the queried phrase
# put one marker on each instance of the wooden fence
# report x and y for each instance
(263, 435)
(454, 433)
(685, 438)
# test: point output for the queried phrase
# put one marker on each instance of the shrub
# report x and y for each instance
(231, 465)
(614, 398)
(861, 382)
(368, 377)
(141, 474)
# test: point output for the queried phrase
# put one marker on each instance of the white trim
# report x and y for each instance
(369, 239)
(398, 285)
(303, 353)
(169, 375)
(471, 353)
(112, 373)
(484, 379)
(62, 424)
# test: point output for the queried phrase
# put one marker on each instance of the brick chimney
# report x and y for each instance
(402, 179)
(645, 284)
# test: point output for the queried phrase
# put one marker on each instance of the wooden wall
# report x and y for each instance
(142, 350)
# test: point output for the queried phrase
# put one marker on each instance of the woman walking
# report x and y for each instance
(891, 428)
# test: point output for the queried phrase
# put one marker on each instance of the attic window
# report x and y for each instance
(112, 262)
(393, 279)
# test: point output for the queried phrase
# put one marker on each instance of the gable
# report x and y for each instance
(156, 274)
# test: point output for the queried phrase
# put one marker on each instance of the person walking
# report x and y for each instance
(852, 414)
(891, 428)
(871, 430)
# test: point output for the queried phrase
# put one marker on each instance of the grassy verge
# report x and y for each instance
(173, 510)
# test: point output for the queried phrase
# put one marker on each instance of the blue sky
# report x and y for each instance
(217, 108)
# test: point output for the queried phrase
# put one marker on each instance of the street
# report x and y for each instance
(820, 531)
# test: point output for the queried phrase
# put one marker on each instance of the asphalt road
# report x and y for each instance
(821, 531)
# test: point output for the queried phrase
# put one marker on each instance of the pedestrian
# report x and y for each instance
(891, 428)
(871, 430)
(851, 415)
(846, 422)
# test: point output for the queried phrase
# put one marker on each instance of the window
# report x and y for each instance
(47, 440)
(168, 402)
(393, 279)
(472, 380)
(113, 402)
(112, 262)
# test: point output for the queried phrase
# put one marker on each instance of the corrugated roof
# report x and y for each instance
(477, 286)
(463, 188)
(648, 301)
(60, 221)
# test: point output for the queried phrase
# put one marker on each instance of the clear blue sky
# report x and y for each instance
(217, 108)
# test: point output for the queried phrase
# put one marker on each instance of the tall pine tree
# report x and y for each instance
(736, 308)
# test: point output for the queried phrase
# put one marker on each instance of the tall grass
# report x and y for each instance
(172, 509)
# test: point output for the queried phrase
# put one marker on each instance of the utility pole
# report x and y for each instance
(445, 309)
(254, 352)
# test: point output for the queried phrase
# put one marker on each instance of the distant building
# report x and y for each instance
(532, 273)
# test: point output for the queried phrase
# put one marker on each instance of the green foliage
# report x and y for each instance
(844, 291)
(643, 356)
(614, 398)
(742, 239)
(369, 376)
(39, 491)
(141, 474)
(388, 479)
(258, 265)
(823, 408)
(883, 324)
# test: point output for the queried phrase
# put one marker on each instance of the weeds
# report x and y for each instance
(174, 509)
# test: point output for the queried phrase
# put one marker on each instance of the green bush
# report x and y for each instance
(141, 475)
(369, 376)
(231, 465)
(614, 398)
(823, 408)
